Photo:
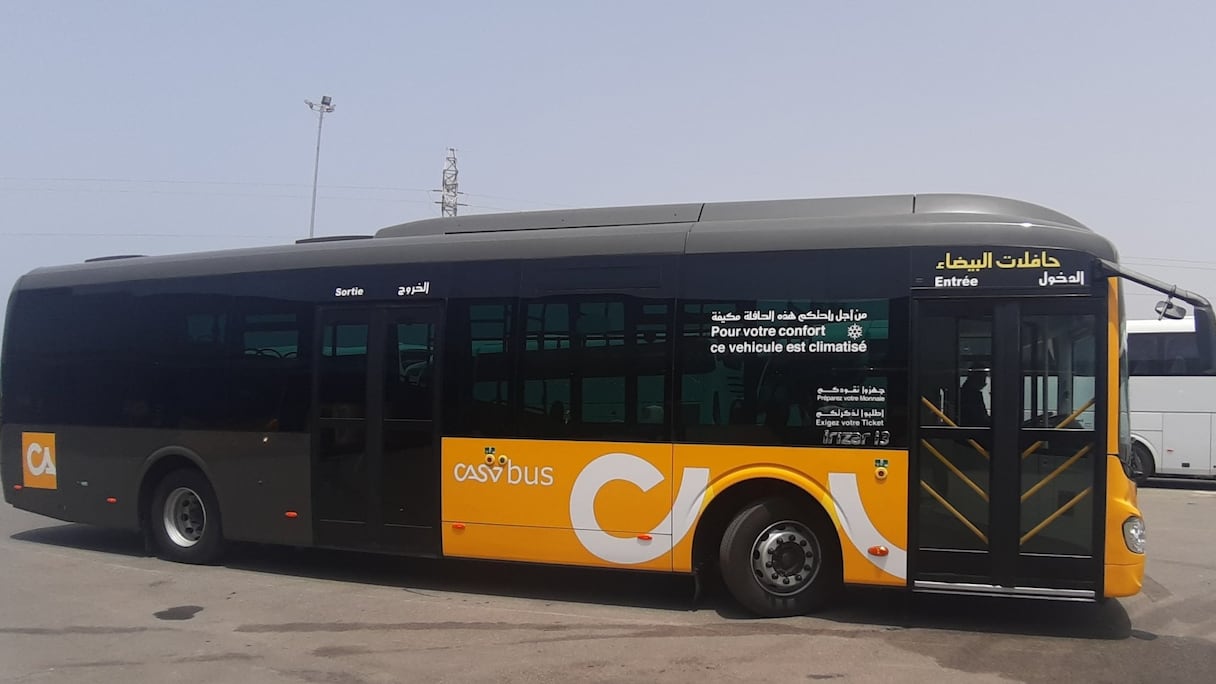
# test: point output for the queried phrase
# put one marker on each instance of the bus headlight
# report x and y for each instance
(1133, 534)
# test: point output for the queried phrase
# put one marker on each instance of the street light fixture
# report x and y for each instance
(325, 107)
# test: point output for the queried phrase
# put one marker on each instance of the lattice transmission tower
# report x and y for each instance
(449, 200)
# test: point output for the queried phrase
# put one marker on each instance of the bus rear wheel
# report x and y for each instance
(184, 518)
(778, 560)
(1141, 465)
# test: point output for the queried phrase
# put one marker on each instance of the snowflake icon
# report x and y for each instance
(855, 332)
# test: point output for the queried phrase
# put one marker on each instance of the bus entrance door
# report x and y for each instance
(1007, 499)
(375, 472)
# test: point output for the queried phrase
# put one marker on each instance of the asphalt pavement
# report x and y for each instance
(79, 604)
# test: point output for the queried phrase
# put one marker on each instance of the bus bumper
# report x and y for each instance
(1124, 580)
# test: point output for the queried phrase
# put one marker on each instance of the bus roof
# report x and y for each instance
(949, 220)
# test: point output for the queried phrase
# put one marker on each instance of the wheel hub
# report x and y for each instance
(785, 558)
(184, 517)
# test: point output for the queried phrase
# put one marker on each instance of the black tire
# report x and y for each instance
(1141, 466)
(184, 519)
(778, 560)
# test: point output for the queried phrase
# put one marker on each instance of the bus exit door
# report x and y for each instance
(1007, 480)
(375, 469)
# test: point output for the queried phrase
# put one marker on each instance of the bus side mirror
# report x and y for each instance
(1205, 338)
(1170, 310)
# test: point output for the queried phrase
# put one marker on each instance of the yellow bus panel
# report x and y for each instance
(637, 505)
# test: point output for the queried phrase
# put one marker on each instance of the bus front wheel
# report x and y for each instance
(185, 518)
(779, 560)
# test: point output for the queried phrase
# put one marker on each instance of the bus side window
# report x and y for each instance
(595, 366)
(480, 350)
(1141, 350)
(1179, 353)
(741, 384)
(1162, 354)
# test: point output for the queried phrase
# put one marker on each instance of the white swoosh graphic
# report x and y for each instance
(860, 530)
(635, 470)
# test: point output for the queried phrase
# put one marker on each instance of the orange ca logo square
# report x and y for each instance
(38, 462)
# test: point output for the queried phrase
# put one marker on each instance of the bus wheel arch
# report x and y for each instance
(179, 510)
(729, 530)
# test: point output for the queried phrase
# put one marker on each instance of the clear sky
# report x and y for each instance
(162, 127)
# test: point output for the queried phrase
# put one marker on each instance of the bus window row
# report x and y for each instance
(587, 366)
(629, 368)
(172, 361)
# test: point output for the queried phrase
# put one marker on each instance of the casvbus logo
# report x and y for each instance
(499, 468)
(38, 460)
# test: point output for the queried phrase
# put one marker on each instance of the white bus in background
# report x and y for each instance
(1173, 405)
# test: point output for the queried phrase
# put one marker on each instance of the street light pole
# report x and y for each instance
(325, 107)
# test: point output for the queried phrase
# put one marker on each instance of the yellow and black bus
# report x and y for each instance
(909, 391)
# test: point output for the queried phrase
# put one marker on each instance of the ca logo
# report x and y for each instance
(39, 462)
(630, 468)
